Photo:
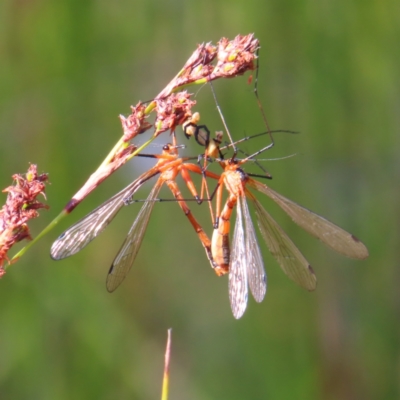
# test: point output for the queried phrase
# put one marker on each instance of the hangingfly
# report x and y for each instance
(244, 260)
(169, 165)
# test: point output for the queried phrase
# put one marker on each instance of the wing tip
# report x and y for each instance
(110, 289)
(111, 286)
(56, 255)
(238, 314)
(363, 251)
(110, 283)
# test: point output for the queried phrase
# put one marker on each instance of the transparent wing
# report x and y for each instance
(289, 257)
(336, 238)
(238, 291)
(129, 249)
(84, 231)
(254, 262)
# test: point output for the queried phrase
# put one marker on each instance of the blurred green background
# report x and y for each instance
(327, 69)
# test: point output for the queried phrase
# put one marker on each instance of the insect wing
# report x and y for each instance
(129, 249)
(84, 231)
(336, 238)
(238, 291)
(254, 262)
(289, 257)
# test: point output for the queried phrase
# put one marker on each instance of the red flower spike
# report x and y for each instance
(21, 206)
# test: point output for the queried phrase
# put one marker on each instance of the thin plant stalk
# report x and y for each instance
(165, 385)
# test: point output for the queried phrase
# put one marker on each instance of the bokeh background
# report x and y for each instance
(329, 70)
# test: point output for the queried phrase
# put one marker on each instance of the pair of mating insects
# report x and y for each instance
(242, 260)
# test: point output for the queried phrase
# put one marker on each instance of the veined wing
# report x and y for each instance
(336, 238)
(84, 231)
(129, 249)
(289, 257)
(238, 290)
(254, 262)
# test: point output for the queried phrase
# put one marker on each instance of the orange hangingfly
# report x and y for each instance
(169, 165)
(243, 259)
